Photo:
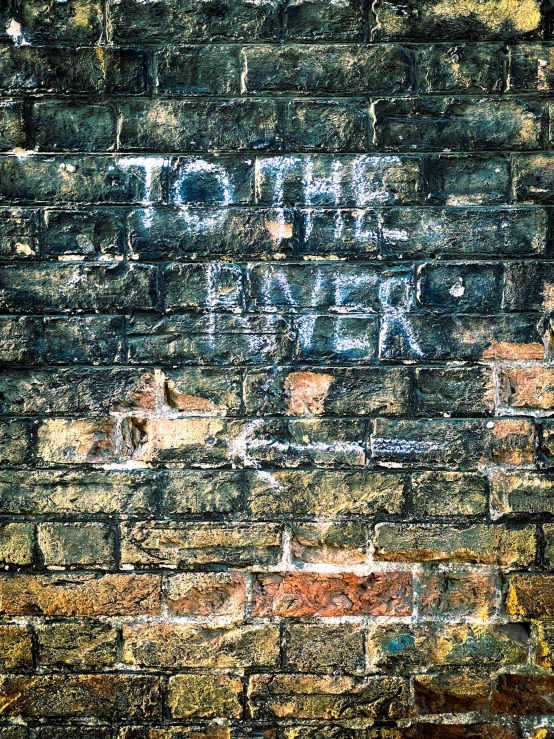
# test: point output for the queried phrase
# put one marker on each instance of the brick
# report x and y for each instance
(531, 67)
(324, 493)
(58, 288)
(195, 491)
(479, 543)
(523, 695)
(457, 124)
(183, 645)
(466, 443)
(195, 339)
(315, 19)
(72, 441)
(73, 126)
(446, 645)
(454, 68)
(207, 594)
(20, 340)
(78, 732)
(12, 129)
(317, 648)
(451, 693)
(533, 178)
(80, 595)
(77, 492)
(210, 731)
(545, 644)
(29, 392)
(448, 494)
(528, 286)
(457, 594)
(198, 70)
(467, 288)
(327, 125)
(329, 543)
(78, 21)
(16, 544)
(87, 544)
(480, 231)
(527, 388)
(86, 645)
(204, 696)
(459, 391)
(169, 543)
(351, 69)
(463, 731)
(81, 70)
(180, 22)
(547, 445)
(171, 125)
(326, 697)
(326, 339)
(530, 595)
(16, 648)
(203, 391)
(19, 234)
(108, 697)
(84, 339)
(78, 179)
(306, 594)
(472, 20)
(549, 542)
(207, 286)
(467, 179)
(315, 391)
(15, 443)
(521, 492)
(86, 233)
(351, 181)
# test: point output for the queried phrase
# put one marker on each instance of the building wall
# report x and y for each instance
(276, 442)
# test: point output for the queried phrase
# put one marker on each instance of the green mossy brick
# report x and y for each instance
(528, 286)
(327, 125)
(79, 544)
(203, 391)
(531, 67)
(83, 340)
(327, 697)
(324, 493)
(460, 68)
(324, 338)
(533, 178)
(472, 19)
(319, 390)
(466, 391)
(465, 288)
(178, 21)
(448, 494)
(80, 645)
(185, 645)
(68, 69)
(205, 286)
(353, 69)
(91, 234)
(211, 181)
(12, 125)
(315, 20)
(446, 646)
(16, 544)
(56, 288)
(464, 232)
(204, 696)
(75, 732)
(457, 124)
(317, 648)
(15, 443)
(182, 545)
(198, 70)
(17, 649)
(467, 179)
(73, 126)
(88, 492)
(19, 234)
(177, 125)
(20, 340)
(194, 339)
(188, 492)
(72, 22)
(105, 697)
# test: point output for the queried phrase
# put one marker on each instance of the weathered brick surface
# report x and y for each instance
(277, 387)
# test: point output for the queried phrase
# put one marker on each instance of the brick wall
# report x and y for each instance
(277, 457)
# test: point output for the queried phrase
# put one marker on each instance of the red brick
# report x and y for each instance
(345, 594)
